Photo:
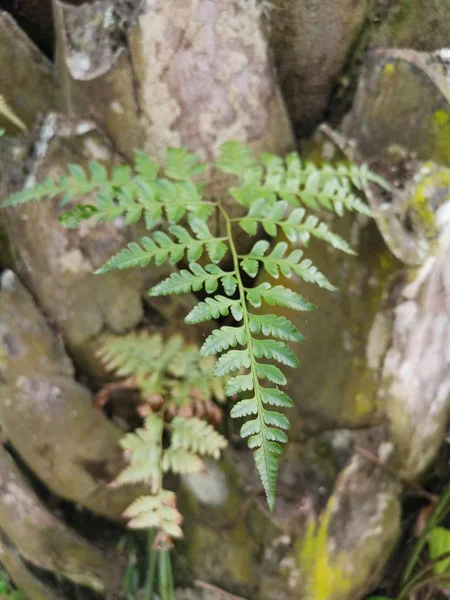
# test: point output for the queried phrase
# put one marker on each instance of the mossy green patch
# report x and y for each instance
(430, 192)
(325, 575)
(440, 126)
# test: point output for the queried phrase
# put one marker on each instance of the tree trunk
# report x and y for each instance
(148, 74)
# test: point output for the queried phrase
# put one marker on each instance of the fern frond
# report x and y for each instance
(195, 435)
(274, 194)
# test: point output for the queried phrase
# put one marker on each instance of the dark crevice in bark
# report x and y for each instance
(35, 18)
(341, 97)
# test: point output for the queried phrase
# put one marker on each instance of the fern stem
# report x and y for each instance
(248, 335)
(151, 566)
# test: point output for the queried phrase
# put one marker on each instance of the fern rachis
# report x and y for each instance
(273, 195)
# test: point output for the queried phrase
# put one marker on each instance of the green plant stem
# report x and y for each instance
(433, 579)
(166, 588)
(151, 566)
(441, 509)
(248, 334)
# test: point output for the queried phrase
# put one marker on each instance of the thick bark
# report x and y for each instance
(48, 416)
(40, 538)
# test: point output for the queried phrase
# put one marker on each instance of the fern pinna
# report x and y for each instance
(174, 381)
(274, 195)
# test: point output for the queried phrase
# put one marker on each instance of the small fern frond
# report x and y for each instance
(195, 435)
(144, 449)
(158, 511)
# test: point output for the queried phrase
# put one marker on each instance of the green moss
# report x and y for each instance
(434, 187)
(325, 576)
(440, 125)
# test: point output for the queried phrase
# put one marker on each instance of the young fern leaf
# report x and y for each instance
(195, 435)
(275, 194)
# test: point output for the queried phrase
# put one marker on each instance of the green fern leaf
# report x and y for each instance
(182, 165)
(73, 218)
(309, 273)
(133, 354)
(271, 191)
(144, 448)
(276, 350)
(222, 339)
(235, 158)
(266, 460)
(275, 397)
(240, 383)
(213, 308)
(277, 326)
(196, 436)
(231, 361)
(270, 372)
(181, 461)
(158, 511)
(147, 168)
(244, 408)
(193, 280)
(274, 418)
(278, 295)
(134, 255)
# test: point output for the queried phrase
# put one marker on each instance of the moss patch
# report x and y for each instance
(325, 575)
